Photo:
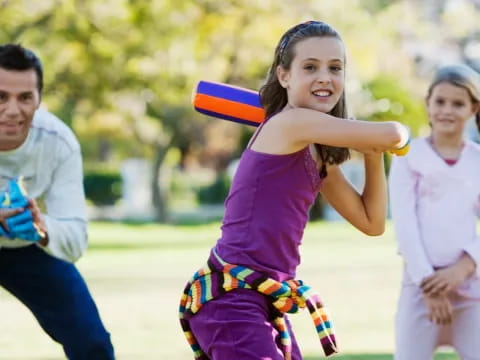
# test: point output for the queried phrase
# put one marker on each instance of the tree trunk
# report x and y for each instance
(159, 198)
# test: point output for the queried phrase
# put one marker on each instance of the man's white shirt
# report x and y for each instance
(51, 163)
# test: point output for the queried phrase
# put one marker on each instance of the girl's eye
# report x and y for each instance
(439, 102)
(335, 68)
(309, 67)
(458, 104)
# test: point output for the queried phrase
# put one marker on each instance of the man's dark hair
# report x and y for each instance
(16, 57)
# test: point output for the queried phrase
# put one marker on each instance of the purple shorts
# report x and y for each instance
(238, 326)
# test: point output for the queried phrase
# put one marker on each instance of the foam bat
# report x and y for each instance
(228, 102)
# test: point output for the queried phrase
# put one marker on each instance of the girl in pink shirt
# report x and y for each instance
(434, 194)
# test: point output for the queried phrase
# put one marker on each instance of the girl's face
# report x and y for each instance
(316, 76)
(449, 107)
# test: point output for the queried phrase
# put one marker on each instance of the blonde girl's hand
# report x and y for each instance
(439, 309)
(445, 280)
(442, 282)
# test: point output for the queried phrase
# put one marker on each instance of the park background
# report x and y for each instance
(121, 74)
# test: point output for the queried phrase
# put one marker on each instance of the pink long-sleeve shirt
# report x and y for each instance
(435, 209)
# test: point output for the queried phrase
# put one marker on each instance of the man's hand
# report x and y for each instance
(38, 222)
(443, 281)
(28, 225)
(439, 309)
(21, 218)
(5, 214)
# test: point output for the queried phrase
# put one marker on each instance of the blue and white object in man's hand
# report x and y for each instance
(15, 196)
(3, 202)
(20, 226)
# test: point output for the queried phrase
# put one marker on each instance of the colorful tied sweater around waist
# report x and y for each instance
(219, 277)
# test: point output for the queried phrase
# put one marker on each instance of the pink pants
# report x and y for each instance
(237, 326)
(417, 337)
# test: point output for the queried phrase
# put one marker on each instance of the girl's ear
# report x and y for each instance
(283, 76)
(476, 108)
(426, 100)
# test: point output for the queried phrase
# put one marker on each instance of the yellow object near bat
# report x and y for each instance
(403, 150)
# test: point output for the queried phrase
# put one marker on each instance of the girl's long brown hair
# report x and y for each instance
(274, 97)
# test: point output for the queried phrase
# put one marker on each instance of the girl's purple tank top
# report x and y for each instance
(267, 210)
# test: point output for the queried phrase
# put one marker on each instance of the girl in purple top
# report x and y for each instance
(435, 201)
(292, 156)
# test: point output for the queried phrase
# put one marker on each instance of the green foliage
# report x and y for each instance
(375, 6)
(246, 133)
(102, 187)
(215, 193)
(390, 100)
(121, 72)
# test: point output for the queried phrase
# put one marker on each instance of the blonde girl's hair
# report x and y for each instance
(462, 76)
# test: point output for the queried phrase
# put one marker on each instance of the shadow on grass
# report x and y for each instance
(142, 246)
(177, 222)
(376, 357)
(193, 220)
(23, 358)
(136, 235)
(354, 357)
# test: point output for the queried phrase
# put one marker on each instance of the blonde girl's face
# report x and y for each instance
(449, 107)
(316, 77)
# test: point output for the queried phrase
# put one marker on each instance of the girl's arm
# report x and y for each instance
(293, 129)
(472, 249)
(403, 201)
(366, 211)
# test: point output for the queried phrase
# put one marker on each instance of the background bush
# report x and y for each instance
(215, 193)
(102, 187)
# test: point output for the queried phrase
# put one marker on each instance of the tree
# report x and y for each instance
(121, 72)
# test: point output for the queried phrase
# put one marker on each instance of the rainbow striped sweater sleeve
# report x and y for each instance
(218, 277)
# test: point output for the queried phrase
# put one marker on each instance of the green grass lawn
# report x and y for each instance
(137, 272)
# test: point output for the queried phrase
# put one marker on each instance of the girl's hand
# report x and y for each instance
(442, 282)
(439, 309)
(403, 147)
(448, 279)
(402, 151)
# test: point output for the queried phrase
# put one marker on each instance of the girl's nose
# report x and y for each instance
(447, 109)
(323, 77)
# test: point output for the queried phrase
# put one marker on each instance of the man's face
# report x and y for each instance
(19, 99)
